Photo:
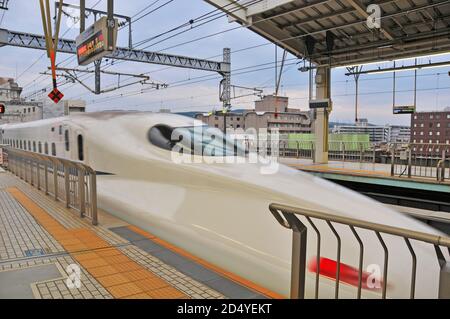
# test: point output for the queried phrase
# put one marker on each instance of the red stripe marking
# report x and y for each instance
(347, 274)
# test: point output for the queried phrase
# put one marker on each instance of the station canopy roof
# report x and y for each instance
(408, 28)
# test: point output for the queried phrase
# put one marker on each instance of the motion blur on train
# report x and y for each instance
(218, 209)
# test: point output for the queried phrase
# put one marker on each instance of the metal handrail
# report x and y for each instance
(286, 216)
(440, 170)
(79, 186)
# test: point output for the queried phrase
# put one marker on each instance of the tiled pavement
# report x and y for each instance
(40, 238)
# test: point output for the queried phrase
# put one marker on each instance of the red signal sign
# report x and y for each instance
(56, 95)
(2, 108)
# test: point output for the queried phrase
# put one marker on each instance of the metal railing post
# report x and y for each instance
(444, 281)
(22, 167)
(298, 149)
(46, 177)
(374, 155)
(409, 162)
(343, 151)
(361, 156)
(298, 258)
(393, 161)
(66, 184)
(298, 266)
(38, 174)
(55, 180)
(31, 172)
(93, 196)
(81, 189)
(25, 168)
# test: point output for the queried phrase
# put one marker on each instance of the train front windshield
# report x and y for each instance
(195, 140)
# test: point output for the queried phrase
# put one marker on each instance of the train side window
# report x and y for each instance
(40, 147)
(66, 140)
(29, 145)
(53, 149)
(46, 148)
(34, 146)
(60, 130)
(53, 129)
(80, 147)
(20, 144)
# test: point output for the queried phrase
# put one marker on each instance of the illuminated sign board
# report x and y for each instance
(404, 109)
(93, 44)
(92, 48)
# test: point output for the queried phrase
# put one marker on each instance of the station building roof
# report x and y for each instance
(408, 28)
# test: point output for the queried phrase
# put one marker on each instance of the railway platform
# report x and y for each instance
(372, 173)
(47, 251)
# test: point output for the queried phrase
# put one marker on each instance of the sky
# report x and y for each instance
(184, 92)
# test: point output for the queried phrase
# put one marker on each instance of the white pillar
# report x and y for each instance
(323, 91)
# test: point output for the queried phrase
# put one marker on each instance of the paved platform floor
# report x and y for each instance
(43, 245)
(363, 170)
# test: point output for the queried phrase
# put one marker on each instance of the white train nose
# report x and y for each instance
(393, 265)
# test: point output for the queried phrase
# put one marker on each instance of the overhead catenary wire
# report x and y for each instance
(87, 76)
(243, 26)
(239, 27)
(202, 16)
(40, 57)
(71, 58)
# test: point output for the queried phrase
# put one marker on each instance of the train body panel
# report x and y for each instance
(219, 211)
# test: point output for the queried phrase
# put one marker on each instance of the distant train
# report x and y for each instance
(219, 211)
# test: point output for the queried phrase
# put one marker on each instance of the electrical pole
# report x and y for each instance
(356, 73)
(111, 24)
(82, 15)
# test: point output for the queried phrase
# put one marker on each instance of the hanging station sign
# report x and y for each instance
(93, 44)
(404, 109)
(319, 104)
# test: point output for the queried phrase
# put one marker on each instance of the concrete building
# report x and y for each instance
(269, 113)
(218, 120)
(378, 133)
(63, 108)
(21, 111)
(285, 122)
(16, 109)
(431, 127)
(399, 134)
(9, 90)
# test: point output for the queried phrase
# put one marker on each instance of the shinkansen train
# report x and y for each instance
(218, 210)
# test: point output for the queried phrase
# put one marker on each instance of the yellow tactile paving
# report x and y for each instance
(128, 289)
(126, 267)
(149, 284)
(118, 273)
